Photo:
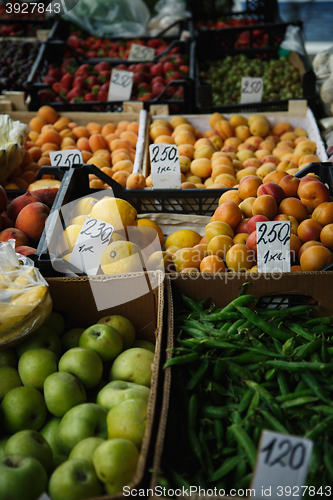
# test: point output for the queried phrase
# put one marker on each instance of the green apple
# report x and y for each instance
(133, 365)
(71, 338)
(117, 391)
(62, 391)
(32, 444)
(49, 432)
(73, 480)
(128, 421)
(104, 340)
(23, 408)
(145, 344)
(9, 378)
(21, 478)
(43, 337)
(35, 365)
(86, 448)
(8, 358)
(82, 421)
(115, 463)
(124, 327)
(84, 363)
(3, 442)
(56, 322)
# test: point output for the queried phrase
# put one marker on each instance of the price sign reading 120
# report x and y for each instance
(121, 83)
(251, 89)
(165, 166)
(273, 246)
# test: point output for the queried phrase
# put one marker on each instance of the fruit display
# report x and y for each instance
(281, 80)
(73, 409)
(239, 370)
(220, 156)
(17, 58)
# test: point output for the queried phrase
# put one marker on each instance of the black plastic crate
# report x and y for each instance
(204, 94)
(53, 53)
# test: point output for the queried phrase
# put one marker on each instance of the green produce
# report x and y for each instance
(35, 365)
(84, 364)
(104, 340)
(22, 477)
(32, 444)
(267, 370)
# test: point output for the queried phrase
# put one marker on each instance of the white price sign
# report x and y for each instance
(273, 246)
(165, 166)
(141, 53)
(251, 89)
(94, 237)
(66, 158)
(281, 467)
(121, 84)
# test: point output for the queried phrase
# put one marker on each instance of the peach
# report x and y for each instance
(246, 206)
(216, 228)
(31, 220)
(256, 140)
(242, 132)
(265, 169)
(245, 155)
(25, 250)
(212, 264)
(315, 258)
(274, 176)
(312, 193)
(308, 230)
(294, 206)
(270, 159)
(231, 195)
(204, 152)
(252, 162)
(253, 221)
(243, 226)
(240, 238)
(248, 186)
(219, 245)
(186, 150)
(21, 239)
(237, 120)
(295, 245)
(281, 128)
(239, 258)
(45, 189)
(261, 153)
(228, 212)
(229, 181)
(5, 222)
(266, 205)
(267, 144)
(201, 167)
(224, 129)
(259, 126)
(323, 213)
(251, 241)
(273, 189)
(3, 199)
(16, 205)
(326, 236)
(289, 184)
(291, 218)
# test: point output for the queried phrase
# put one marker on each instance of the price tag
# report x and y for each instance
(273, 246)
(141, 53)
(92, 240)
(66, 158)
(165, 166)
(251, 89)
(281, 467)
(121, 84)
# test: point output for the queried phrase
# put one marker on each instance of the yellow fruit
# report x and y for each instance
(68, 238)
(182, 239)
(78, 220)
(119, 213)
(153, 225)
(83, 206)
(187, 257)
(121, 257)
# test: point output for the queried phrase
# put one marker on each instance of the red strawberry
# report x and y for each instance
(143, 88)
(131, 67)
(73, 41)
(95, 89)
(79, 82)
(49, 80)
(179, 94)
(102, 95)
(121, 66)
(146, 97)
(89, 97)
(90, 81)
(105, 87)
(91, 54)
(75, 92)
(67, 80)
(141, 67)
(170, 91)
(82, 70)
(157, 88)
(154, 43)
(57, 87)
(138, 78)
(102, 66)
(159, 50)
(174, 50)
(76, 99)
(168, 66)
(157, 69)
(184, 69)
(173, 75)
(55, 72)
(157, 79)
(45, 95)
(104, 76)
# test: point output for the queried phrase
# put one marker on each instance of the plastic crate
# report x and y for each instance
(204, 99)
(203, 10)
(53, 52)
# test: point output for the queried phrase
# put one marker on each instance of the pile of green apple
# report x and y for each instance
(73, 410)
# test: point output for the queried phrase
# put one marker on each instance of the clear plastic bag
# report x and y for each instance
(25, 302)
(323, 68)
(110, 18)
(168, 12)
(12, 135)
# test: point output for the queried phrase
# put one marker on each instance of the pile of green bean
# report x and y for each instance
(237, 371)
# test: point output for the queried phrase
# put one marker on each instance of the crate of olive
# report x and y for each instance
(285, 76)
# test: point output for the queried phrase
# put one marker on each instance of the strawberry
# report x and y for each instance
(75, 92)
(95, 89)
(67, 80)
(82, 70)
(105, 87)
(168, 67)
(102, 95)
(104, 76)
(143, 88)
(89, 97)
(45, 95)
(141, 67)
(55, 73)
(131, 67)
(179, 94)
(76, 99)
(121, 66)
(138, 78)
(58, 87)
(184, 69)
(154, 43)
(90, 54)
(102, 66)
(90, 81)
(157, 69)
(79, 82)
(157, 88)
(146, 97)
(170, 91)
(49, 80)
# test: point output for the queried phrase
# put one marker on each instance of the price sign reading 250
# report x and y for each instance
(251, 89)
(280, 231)
(122, 79)
(165, 166)
(66, 158)
(168, 153)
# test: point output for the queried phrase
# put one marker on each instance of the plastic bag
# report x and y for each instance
(110, 18)
(25, 302)
(323, 68)
(293, 40)
(168, 11)
(12, 135)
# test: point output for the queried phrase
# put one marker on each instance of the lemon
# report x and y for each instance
(78, 220)
(183, 238)
(121, 257)
(68, 238)
(83, 206)
(117, 212)
(151, 224)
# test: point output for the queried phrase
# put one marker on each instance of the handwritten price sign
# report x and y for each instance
(141, 53)
(273, 246)
(282, 464)
(66, 158)
(93, 238)
(121, 84)
(165, 166)
(251, 89)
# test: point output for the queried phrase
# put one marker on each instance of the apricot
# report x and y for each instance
(289, 184)
(299, 152)
(295, 245)
(251, 241)
(252, 162)
(237, 120)
(184, 137)
(28, 176)
(215, 117)
(323, 213)
(122, 165)
(240, 238)
(184, 127)
(119, 144)
(49, 146)
(288, 136)
(243, 226)
(239, 258)
(326, 236)
(36, 123)
(121, 177)
(188, 185)
(109, 128)
(265, 205)
(242, 173)
(221, 160)
(229, 181)
(222, 169)
(202, 142)
(216, 228)
(252, 222)
(35, 153)
(259, 126)
(285, 165)
(261, 153)
(281, 151)
(231, 144)
(204, 152)
(208, 182)
(291, 218)
(246, 206)
(136, 181)
(209, 133)
(308, 244)
(256, 140)
(216, 141)
(270, 159)
(307, 144)
(313, 193)
(212, 264)
(67, 133)
(231, 195)
(242, 132)
(248, 186)
(289, 144)
(246, 145)
(274, 176)
(97, 184)
(267, 144)
(48, 114)
(132, 127)
(60, 125)
(201, 167)
(228, 212)
(224, 129)
(245, 155)
(186, 150)
(315, 258)
(308, 230)
(98, 162)
(281, 128)
(86, 155)
(265, 169)
(194, 179)
(273, 189)
(294, 206)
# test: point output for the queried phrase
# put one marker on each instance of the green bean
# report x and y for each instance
(304, 350)
(300, 330)
(218, 432)
(329, 465)
(217, 411)
(220, 368)
(288, 346)
(195, 444)
(245, 401)
(324, 351)
(195, 379)
(208, 460)
(325, 410)
(233, 329)
(245, 442)
(290, 311)
(323, 329)
(238, 371)
(247, 358)
(326, 320)
(254, 404)
(293, 395)
(243, 300)
(273, 422)
(194, 332)
(193, 411)
(179, 360)
(302, 386)
(298, 367)
(228, 450)
(282, 381)
(317, 390)
(241, 468)
(245, 326)
(315, 459)
(278, 345)
(227, 466)
(219, 389)
(220, 316)
(320, 429)
(299, 402)
(193, 306)
(264, 351)
(235, 417)
(262, 324)
(226, 326)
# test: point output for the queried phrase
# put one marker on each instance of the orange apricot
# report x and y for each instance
(97, 141)
(36, 124)
(121, 177)
(93, 126)
(48, 114)
(108, 128)
(35, 153)
(133, 127)
(83, 144)
(130, 136)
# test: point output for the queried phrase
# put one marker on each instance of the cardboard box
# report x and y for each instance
(222, 289)
(74, 298)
